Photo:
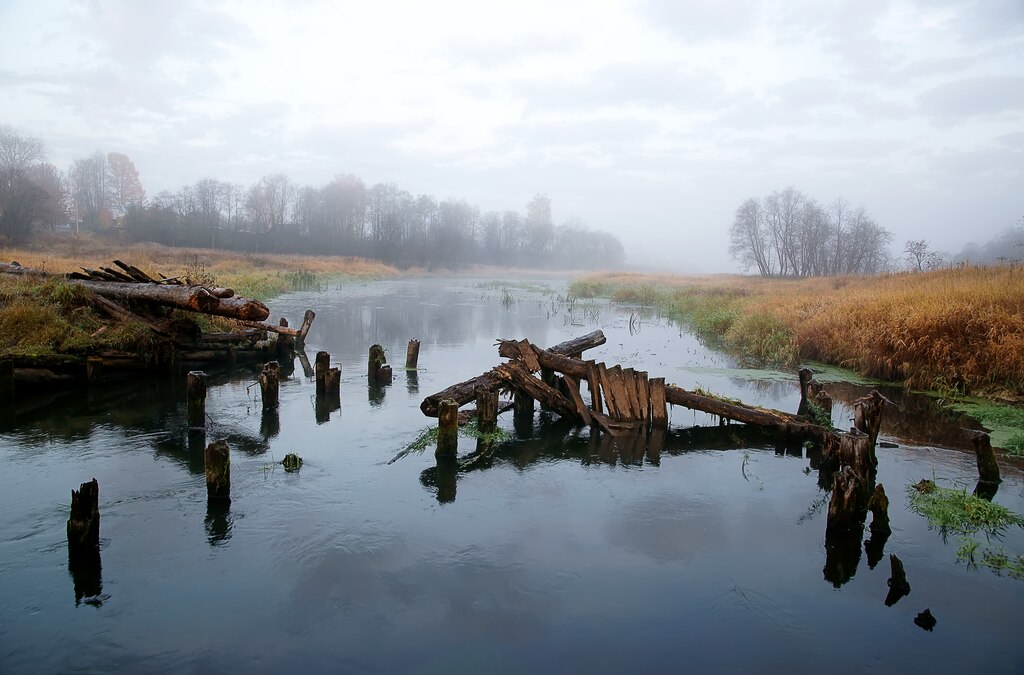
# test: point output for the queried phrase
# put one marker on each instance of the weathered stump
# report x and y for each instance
(94, 371)
(486, 409)
(867, 416)
(285, 344)
(447, 429)
(84, 523)
(218, 471)
(878, 504)
(988, 469)
(195, 395)
(332, 382)
(898, 585)
(412, 354)
(6, 380)
(806, 376)
(844, 510)
(375, 362)
(322, 365)
(824, 401)
(270, 385)
(384, 375)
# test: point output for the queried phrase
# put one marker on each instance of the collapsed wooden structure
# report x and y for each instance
(124, 293)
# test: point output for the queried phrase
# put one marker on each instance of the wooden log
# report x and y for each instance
(233, 337)
(135, 273)
(448, 430)
(520, 379)
(307, 323)
(118, 275)
(879, 507)
(412, 354)
(988, 468)
(218, 471)
(659, 416)
(463, 392)
(270, 385)
(195, 396)
(307, 369)
(190, 298)
(84, 523)
(844, 512)
(322, 365)
(898, 584)
(573, 388)
(612, 400)
(486, 409)
(6, 380)
(775, 419)
(615, 381)
(375, 361)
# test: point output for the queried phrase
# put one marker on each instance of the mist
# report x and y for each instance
(650, 121)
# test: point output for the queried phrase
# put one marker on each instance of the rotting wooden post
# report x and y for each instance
(806, 376)
(218, 471)
(94, 371)
(332, 382)
(307, 322)
(7, 379)
(659, 417)
(195, 395)
(84, 523)
(898, 584)
(270, 384)
(522, 404)
(412, 354)
(447, 429)
(844, 513)
(486, 409)
(867, 415)
(322, 365)
(879, 507)
(988, 469)
(384, 374)
(375, 362)
(285, 344)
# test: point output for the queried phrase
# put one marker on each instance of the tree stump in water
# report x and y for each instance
(867, 417)
(412, 354)
(447, 430)
(988, 469)
(84, 523)
(332, 382)
(285, 344)
(321, 365)
(486, 409)
(384, 374)
(218, 471)
(195, 394)
(270, 385)
(844, 510)
(375, 362)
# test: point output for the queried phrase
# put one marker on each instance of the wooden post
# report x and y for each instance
(195, 394)
(384, 374)
(898, 584)
(447, 429)
(523, 404)
(94, 371)
(218, 471)
(843, 510)
(323, 364)
(879, 507)
(805, 379)
(593, 384)
(307, 322)
(375, 362)
(659, 417)
(332, 382)
(988, 469)
(270, 384)
(285, 344)
(486, 409)
(6, 380)
(412, 354)
(84, 523)
(867, 415)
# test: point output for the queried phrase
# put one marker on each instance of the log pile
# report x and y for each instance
(123, 293)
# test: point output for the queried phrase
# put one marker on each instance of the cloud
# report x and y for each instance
(979, 96)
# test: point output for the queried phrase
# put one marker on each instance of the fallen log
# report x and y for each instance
(464, 392)
(190, 298)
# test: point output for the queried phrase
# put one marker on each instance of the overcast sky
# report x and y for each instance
(652, 120)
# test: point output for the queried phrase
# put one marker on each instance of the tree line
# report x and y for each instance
(274, 214)
(788, 234)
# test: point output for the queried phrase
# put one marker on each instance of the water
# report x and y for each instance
(557, 552)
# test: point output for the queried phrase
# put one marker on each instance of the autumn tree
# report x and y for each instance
(124, 189)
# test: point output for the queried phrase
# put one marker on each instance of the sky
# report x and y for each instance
(650, 119)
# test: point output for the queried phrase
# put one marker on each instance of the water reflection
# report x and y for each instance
(219, 521)
(842, 554)
(270, 423)
(86, 571)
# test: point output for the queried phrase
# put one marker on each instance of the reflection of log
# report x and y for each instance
(463, 392)
(191, 298)
(898, 584)
(844, 512)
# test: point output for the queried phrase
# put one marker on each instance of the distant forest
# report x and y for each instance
(344, 217)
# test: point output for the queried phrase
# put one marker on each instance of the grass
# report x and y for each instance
(428, 438)
(955, 511)
(958, 330)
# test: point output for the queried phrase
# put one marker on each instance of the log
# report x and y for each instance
(520, 379)
(775, 419)
(577, 400)
(593, 384)
(190, 298)
(233, 337)
(412, 354)
(447, 430)
(84, 523)
(463, 392)
(307, 323)
(270, 385)
(375, 361)
(218, 471)
(988, 468)
(135, 273)
(608, 390)
(643, 392)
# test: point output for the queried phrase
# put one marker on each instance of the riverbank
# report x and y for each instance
(958, 332)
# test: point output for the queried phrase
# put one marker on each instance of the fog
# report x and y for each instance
(653, 121)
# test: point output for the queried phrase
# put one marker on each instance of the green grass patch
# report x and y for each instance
(955, 511)
(1005, 421)
(428, 438)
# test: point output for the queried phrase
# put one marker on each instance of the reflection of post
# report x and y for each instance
(412, 381)
(447, 475)
(655, 443)
(6, 380)
(412, 354)
(270, 423)
(218, 521)
(842, 554)
(218, 471)
(844, 512)
(447, 429)
(486, 409)
(898, 584)
(270, 385)
(195, 394)
(86, 570)
(94, 371)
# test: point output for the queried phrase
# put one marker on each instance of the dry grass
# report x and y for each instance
(952, 330)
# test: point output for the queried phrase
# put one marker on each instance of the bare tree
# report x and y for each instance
(919, 256)
(31, 190)
(123, 185)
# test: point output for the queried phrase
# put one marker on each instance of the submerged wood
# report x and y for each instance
(447, 430)
(412, 354)
(270, 385)
(218, 470)
(84, 523)
(463, 392)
